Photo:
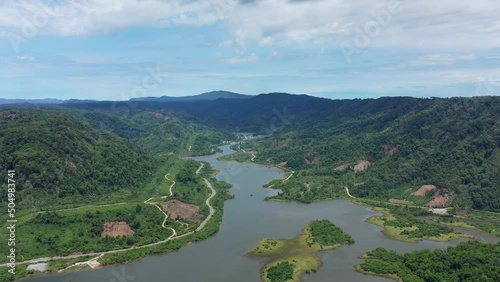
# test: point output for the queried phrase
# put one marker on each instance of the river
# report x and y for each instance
(247, 219)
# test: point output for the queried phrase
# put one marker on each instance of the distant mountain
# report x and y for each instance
(31, 101)
(213, 95)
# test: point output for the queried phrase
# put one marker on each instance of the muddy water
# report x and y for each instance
(247, 219)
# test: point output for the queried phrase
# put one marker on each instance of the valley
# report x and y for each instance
(98, 214)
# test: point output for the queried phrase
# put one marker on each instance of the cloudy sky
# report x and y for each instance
(119, 49)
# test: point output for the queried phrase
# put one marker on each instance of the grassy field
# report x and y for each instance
(291, 258)
(398, 233)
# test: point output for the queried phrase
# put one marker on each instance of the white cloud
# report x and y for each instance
(441, 59)
(420, 24)
(25, 58)
(83, 17)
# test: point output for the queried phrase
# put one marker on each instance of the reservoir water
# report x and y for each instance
(247, 219)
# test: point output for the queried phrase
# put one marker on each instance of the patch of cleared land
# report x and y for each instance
(42, 266)
(362, 165)
(422, 191)
(398, 201)
(439, 199)
(116, 228)
(177, 210)
(341, 167)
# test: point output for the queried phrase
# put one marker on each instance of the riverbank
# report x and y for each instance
(408, 230)
(473, 260)
(492, 228)
(389, 276)
(208, 227)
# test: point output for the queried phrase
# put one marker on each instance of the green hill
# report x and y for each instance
(407, 142)
(59, 159)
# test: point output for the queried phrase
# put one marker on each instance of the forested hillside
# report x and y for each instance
(55, 156)
(380, 148)
(452, 144)
(64, 156)
(470, 261)
(157, 130)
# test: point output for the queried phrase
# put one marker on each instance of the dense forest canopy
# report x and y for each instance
(470, 261)
(65, 156)
(407, 142)
(404, 142)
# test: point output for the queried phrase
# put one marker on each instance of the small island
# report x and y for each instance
(291, 258)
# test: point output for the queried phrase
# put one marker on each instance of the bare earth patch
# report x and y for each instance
(392, 151)
(398, 201)
(341, 167)
(422, 191)
(362, 165)
(116, 228)
(439, 199)
(177, 209)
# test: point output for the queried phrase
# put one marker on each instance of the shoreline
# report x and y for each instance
(394, 232)
(299, 253)
(61, 264)
(359, 269)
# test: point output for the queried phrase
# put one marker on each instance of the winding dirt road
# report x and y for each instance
(212, 210)
(174, 233)
(199, 169)
(171, 186)
(286, 179)
(174, 236)
(347, 191)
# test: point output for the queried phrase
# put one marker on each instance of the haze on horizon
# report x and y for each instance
(117, 50)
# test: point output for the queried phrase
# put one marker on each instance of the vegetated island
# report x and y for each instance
(291, 258)
(401, 223)
(469, 261)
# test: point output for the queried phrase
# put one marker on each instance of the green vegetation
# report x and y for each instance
(487, 226)
(19, 273)
(63, 233)
(324, 233)
(210, 229)
(281, 272)
(401, 223)
(59, 161)
(237, 157)
(291, 258)
(79, 230)
(78, 169)
(450, 143)
(469, 261)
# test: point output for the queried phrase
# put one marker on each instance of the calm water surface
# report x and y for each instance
(247, 219)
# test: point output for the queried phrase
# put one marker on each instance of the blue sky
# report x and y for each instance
(116, 50)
